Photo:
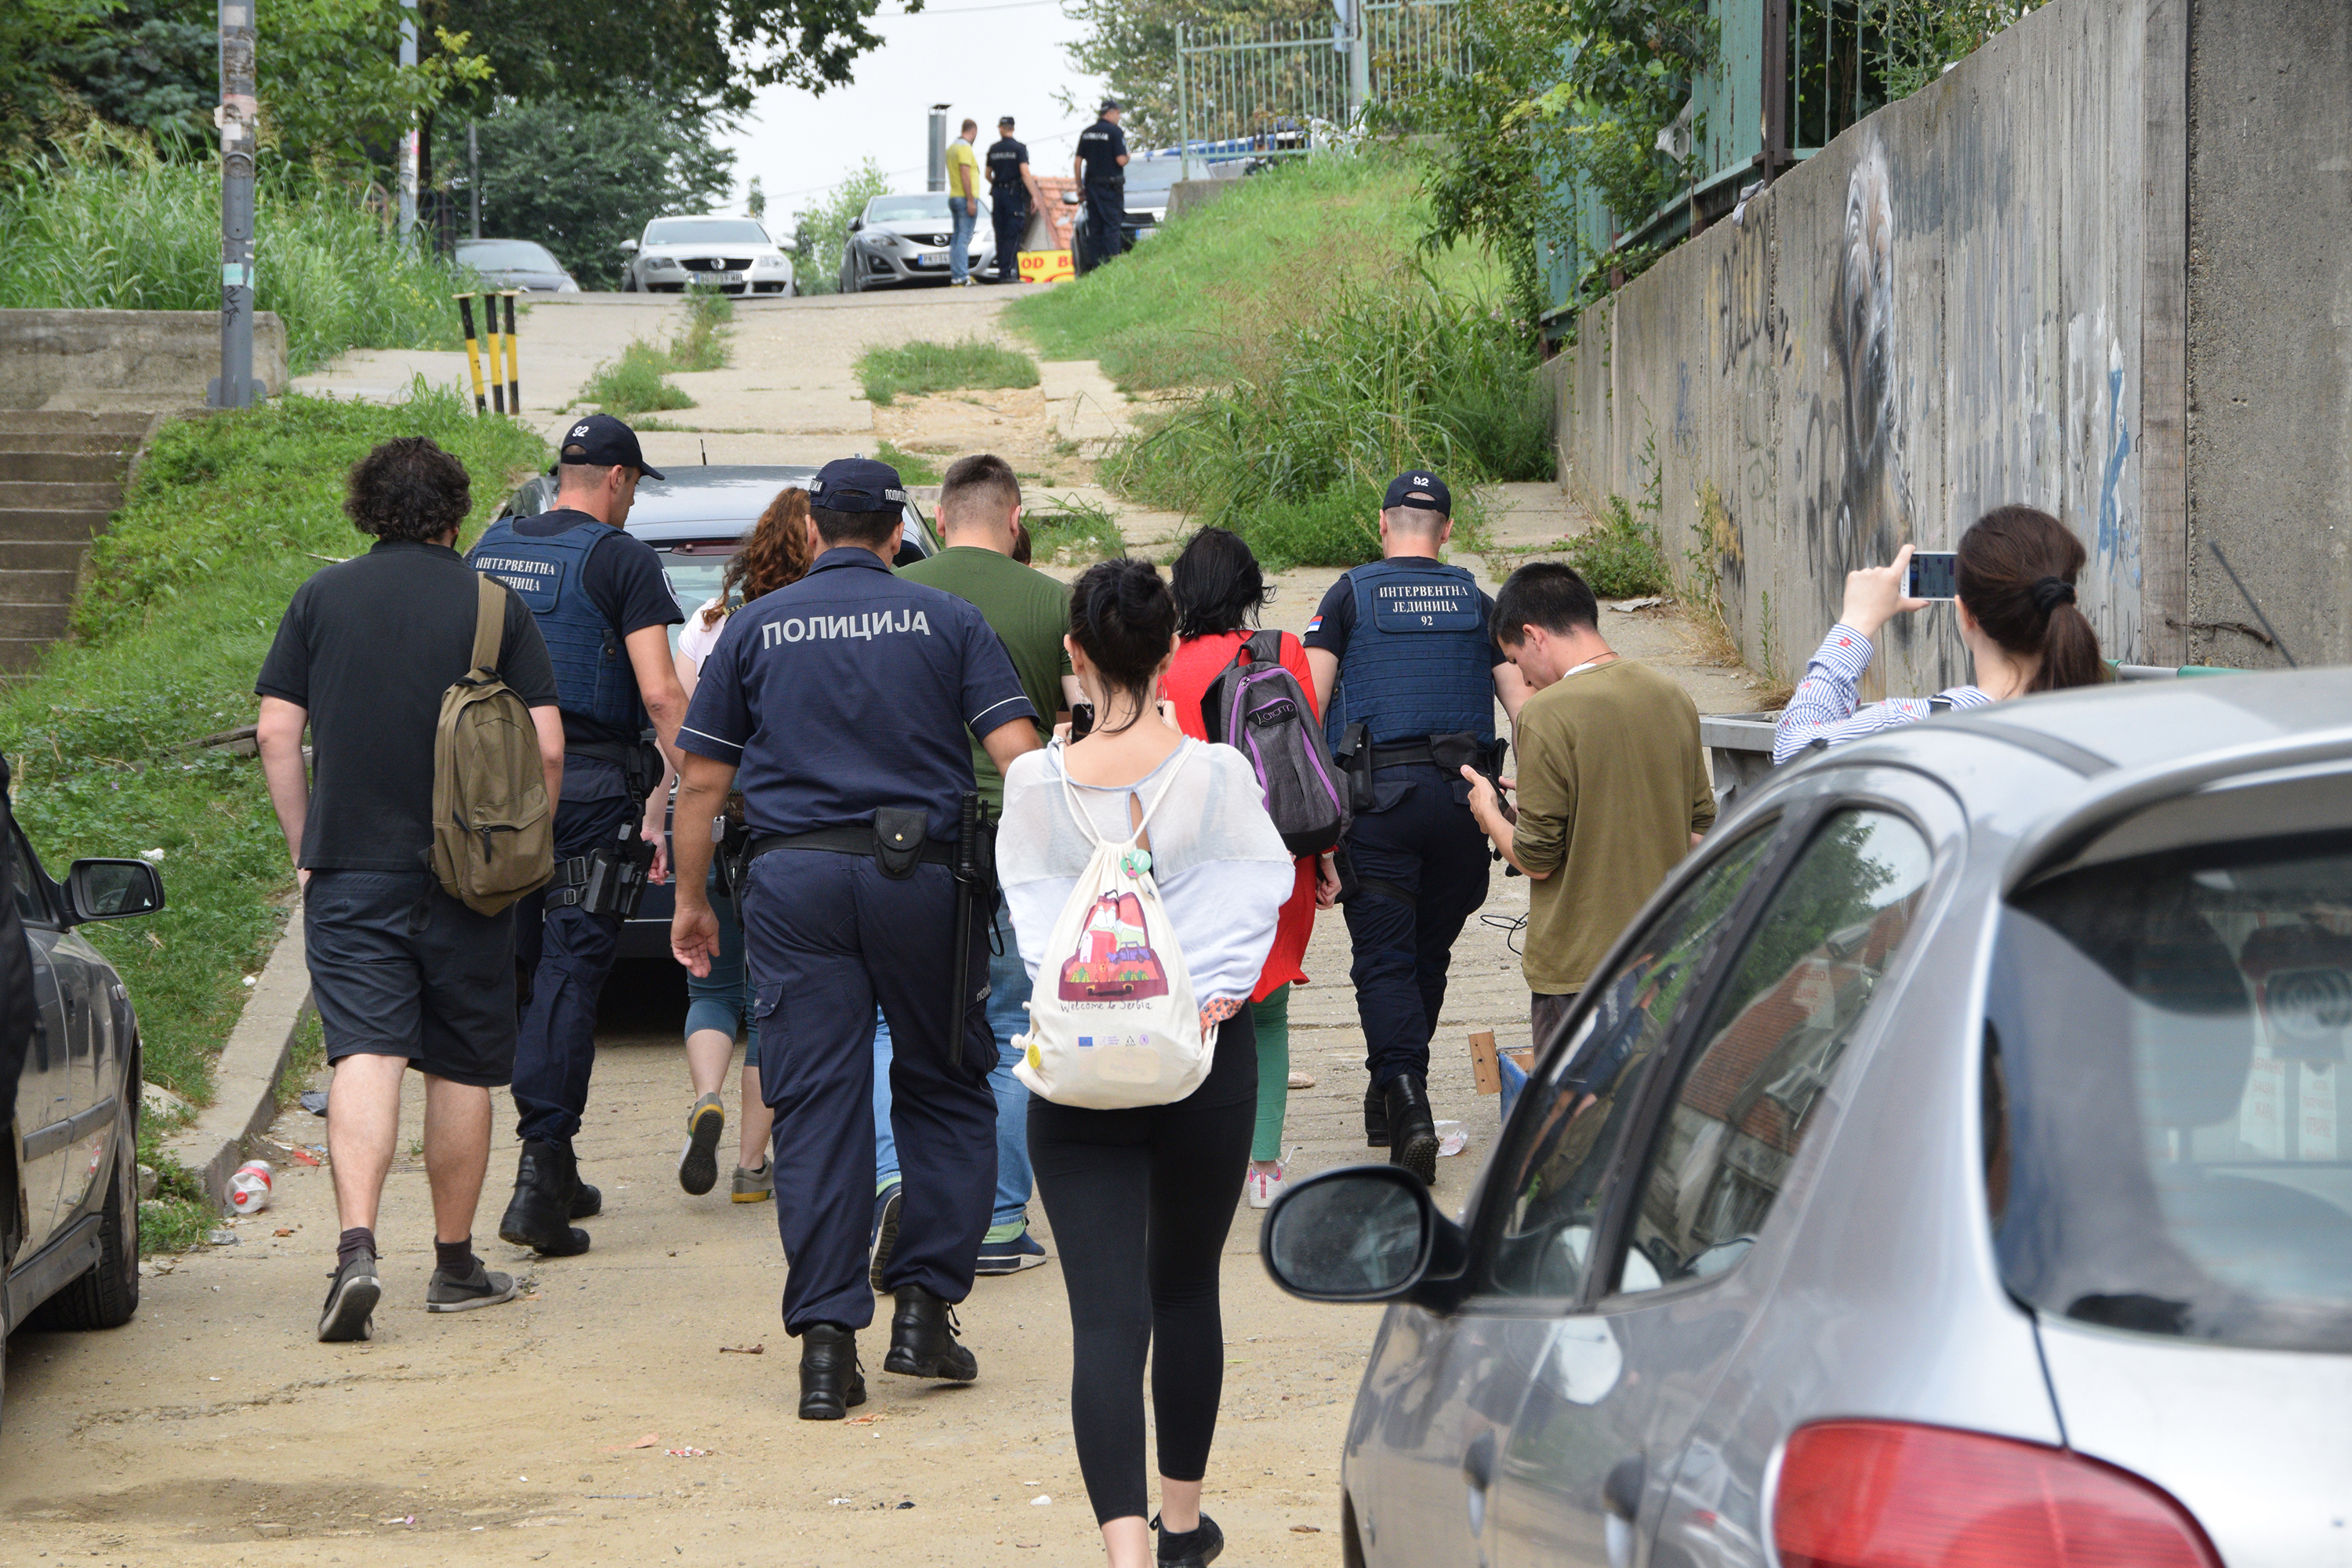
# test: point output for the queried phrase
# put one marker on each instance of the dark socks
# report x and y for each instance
(354, 1242)
(454, 1260)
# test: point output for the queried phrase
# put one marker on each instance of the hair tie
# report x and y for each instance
(2051, 592)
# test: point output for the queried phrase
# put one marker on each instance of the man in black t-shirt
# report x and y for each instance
(402, 974)
(1012, 191)
(606, 609)
(1100, 168)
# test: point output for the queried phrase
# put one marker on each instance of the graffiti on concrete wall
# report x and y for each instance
(1872, 513)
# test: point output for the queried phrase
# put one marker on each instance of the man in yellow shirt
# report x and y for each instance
(963, 203)
(1613, 786)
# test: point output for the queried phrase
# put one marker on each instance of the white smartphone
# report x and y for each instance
(1933, 575)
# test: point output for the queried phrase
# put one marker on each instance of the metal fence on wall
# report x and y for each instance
(1274, 91)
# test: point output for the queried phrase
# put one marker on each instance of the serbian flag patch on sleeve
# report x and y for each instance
(1315, 625)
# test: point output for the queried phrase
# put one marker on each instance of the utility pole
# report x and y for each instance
(1359, 63)
(938, 147)
(237, 116)
(408, 136)
(474, 174)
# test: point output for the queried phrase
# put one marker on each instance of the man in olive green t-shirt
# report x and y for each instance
(980, 518)
(1613, 787)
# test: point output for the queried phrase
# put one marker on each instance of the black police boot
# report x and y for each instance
(538, 1215)
(830, 1380)
(1412, 1133)
(586, 1202)
(1376, 1118)
(923, 1340)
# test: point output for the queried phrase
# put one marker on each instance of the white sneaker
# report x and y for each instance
(1264, 1187)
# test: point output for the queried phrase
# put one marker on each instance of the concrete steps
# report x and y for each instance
(61, 477)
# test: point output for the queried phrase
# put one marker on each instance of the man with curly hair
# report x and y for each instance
(403, 974)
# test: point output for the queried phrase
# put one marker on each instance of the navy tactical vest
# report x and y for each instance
(594, 677)
(1417, 660)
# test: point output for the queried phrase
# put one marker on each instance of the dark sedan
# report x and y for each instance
(69, 1168)
(696, 520)
(516, 264)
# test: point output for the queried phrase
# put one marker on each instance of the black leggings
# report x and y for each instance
(1140, 1202)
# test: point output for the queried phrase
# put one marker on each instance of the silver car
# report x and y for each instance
(735, 255)
(1951, 1166)
(516, 264)
(905, 240)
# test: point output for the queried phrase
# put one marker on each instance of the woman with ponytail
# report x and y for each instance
(1140, 1199)
(2015, 580)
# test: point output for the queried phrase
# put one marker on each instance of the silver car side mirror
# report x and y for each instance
(113, 890)
(856, 224)
(1361, 1233)
(630, 245)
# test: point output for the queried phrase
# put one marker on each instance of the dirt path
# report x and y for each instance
(603, 1420)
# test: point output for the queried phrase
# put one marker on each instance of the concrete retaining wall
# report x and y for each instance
(1981, 295)
(113, 360)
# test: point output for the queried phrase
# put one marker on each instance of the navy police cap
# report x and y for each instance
(1419, 488)
(603, 442)
(857, 484)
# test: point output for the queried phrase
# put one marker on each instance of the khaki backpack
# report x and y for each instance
(493, 830)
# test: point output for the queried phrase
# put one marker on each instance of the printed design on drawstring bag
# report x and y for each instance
(1114, 960)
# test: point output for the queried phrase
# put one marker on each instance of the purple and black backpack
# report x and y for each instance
(1258, 708)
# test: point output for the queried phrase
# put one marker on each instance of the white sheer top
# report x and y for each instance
(1223, 869)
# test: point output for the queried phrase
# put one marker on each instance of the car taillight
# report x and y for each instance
(1880, 1494)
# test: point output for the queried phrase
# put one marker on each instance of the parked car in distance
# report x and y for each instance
(70, 1167)
(1149, 177)
(696, 520)
(735, 255)
(516, 264)
(1949, 1166)
(905, 238)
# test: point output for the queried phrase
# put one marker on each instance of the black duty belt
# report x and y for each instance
(1403, 755)
(846, 841)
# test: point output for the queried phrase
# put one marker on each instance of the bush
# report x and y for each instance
(914, 369)
(820, 233)
(1294, 458)
(133, 233)
(1621, 559)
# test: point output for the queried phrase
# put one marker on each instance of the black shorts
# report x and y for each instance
(399, 968)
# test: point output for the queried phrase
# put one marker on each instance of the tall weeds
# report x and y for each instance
(1294, 454)
(119, 229)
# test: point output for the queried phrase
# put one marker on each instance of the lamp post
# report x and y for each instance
(235, 386)
(408, 149)
(938, 147)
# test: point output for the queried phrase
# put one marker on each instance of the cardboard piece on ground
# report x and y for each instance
(1482, 1071)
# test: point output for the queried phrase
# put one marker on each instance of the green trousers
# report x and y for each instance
(1272, 1017)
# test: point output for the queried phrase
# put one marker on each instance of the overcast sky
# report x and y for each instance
(980, 57)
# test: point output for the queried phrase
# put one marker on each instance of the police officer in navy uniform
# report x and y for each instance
(1012, 188)
(605, 608)
(1407, 672)
(1100, 168)
(839, 707)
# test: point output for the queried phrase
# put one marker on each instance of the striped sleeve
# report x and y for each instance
(1824, 708)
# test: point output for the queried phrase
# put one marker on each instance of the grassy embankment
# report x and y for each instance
(228, 515)
(1321, 353)
(117, 229)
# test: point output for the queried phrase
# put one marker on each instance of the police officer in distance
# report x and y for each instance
(605, 608)
(1013, 190)
(1406, 644)
(840, 706)
(1100, 168)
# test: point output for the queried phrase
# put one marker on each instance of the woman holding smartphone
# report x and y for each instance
(2014, 576)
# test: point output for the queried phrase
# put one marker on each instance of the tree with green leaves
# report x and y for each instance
(1131, 46)
(581, 177)
(820, 232)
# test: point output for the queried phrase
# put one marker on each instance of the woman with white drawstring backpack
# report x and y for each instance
(1144, 878)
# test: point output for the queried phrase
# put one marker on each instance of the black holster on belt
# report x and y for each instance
(974, 868)
(900, 835)
(1459, 749)
(609, 880)
(1354, 755)
(731, 851)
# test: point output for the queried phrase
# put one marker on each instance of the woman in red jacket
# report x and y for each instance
(1219, 593)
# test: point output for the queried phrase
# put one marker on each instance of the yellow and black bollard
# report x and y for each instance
(473, 350)
(514, 382)
(493, 349)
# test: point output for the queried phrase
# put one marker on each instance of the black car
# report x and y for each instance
(70, 1167)
(696, 520)
(1149, 178)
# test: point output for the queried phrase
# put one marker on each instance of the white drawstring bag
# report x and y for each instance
(1112, 1020)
